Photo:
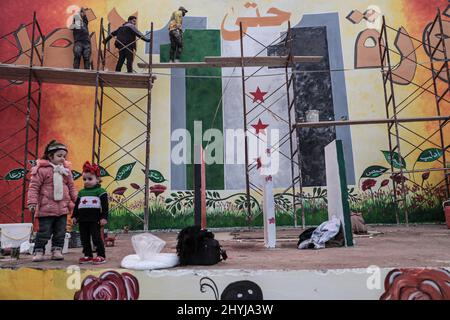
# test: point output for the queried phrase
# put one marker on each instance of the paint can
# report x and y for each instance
(312, 116)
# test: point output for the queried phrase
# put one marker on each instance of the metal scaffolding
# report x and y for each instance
(107, 85)
(292, 137)
(132, 147)
(395, 124)
(393, 109)
(19, 149)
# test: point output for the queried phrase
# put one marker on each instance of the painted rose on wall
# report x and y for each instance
(111, 285)
(417, 284)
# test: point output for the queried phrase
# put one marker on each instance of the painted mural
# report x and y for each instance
(239, 285)
(200, 105)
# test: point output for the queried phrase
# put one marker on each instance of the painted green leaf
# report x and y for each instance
(155, 176)
(103, 172)
(373, 172)
(124, 171)
(75, 175)
(395, 161)
(15, 175)
(430, 155)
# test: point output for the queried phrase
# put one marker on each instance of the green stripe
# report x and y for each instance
(203, 95)
(92, 192)
(344, 194)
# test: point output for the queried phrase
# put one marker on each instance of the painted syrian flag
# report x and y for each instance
(89, 202)
(262, 91)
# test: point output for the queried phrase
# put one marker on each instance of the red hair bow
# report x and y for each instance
(91, 168)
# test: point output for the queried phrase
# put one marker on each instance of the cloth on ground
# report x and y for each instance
(323, 233)
(305, 235)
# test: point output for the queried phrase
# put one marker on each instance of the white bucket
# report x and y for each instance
(14, 234)
(48, 246)
(312, 116)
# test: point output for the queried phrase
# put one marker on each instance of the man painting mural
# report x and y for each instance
(176, 34)
(126, 42)
(82, 41)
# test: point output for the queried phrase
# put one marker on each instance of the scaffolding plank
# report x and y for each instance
(366, 121)
(232, 62)
(74, 77)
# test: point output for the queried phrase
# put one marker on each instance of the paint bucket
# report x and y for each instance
(65, 249)
(312, 116)
(446, 206)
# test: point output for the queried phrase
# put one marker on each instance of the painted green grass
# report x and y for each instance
(423, 206)
(162, 219)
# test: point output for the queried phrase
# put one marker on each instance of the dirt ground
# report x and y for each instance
(385, 246)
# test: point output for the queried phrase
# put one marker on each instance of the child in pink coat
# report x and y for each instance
(49, 195)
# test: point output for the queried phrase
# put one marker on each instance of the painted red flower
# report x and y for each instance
(417, 284)
(157, 189)
(398, 178)
(384, 183)
(368, 184)
(120, 191)
(135, 186)
(111, 285)
(418, 198)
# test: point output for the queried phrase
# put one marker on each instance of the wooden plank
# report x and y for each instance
(74, 77)
(270, 61)
(232, 62)
(174, 65)
(366, 121)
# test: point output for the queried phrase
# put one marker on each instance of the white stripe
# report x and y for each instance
(233, 109)
(89, 202)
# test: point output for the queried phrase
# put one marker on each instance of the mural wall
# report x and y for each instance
(342, 284)
(346, 84)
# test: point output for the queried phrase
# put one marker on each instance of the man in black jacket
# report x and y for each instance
(82, 41)
(126, 42)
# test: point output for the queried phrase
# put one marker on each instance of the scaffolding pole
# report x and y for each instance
(389, 98)
(439, 97)
(110, 80)
(10, 201)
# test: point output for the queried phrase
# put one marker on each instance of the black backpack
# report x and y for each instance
(305, 235)
(198, 247)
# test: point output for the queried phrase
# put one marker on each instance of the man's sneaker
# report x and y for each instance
(38, 257)
(85, 260)
(57, 255)
(98, 260)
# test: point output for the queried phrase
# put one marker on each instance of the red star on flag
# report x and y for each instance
(258, 163)
(84, 201)
(94, 201)
(258, 95)
(269, 178)
(260, 127)
(272, 220)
